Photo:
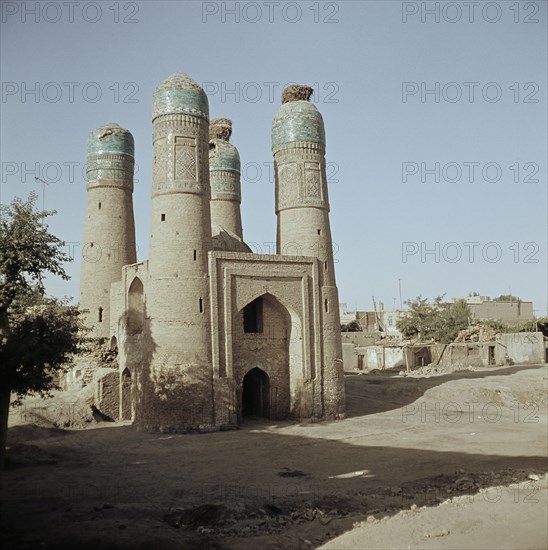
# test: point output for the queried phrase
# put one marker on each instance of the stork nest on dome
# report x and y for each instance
(220, 128)
(297, 92)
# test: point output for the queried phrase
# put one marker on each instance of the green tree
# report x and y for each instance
(353, 326)
(540, 325)
(418, 320)
(37, 334)
(450, 320)
(439, 320)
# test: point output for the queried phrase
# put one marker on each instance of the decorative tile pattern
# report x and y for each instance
(185, 173)
(105, 166)
(313, 180)
(225, 183)
(298, 121)
(185, 163)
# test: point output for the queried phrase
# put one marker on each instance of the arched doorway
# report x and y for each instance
(256, 394)
(114, 344)
(269, 334)
(126, 405)
(136, 307)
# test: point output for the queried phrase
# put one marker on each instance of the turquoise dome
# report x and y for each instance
(298, 121)
(223, 156)
(110, 138)
(180, 94)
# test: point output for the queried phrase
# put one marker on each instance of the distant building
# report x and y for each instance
(389, 318)
(383, 320)
(520, 348)
(512, 312)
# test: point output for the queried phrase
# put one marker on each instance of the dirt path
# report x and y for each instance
(496, 517)
(406, 441)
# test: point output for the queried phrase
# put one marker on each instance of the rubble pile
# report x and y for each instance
(477, 333)
(433, 369)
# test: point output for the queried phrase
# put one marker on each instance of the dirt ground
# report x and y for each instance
(442, 460)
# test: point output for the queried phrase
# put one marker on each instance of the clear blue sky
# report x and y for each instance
(358, 55)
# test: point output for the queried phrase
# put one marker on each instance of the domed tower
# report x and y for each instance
(178, 387)
(109, 231)
(303, 229)
(224, 173)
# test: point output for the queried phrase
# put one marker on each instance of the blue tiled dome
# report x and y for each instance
(110, 138)
(180, 94)
(297, 120)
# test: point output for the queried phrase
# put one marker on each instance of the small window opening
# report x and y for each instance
(201, 305)
(100, 315)
(325, 265)
(195, 255)
(163, 217)
(253, 316)
(99, 206)
(326, 305)
(91, 245)
(319, 231)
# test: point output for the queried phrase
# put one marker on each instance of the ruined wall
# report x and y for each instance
(465, 354)
(358, 338)
(522, 347)
(350, 356)
(440, 353)
(98, 358)
(379, 357)
(107, 398)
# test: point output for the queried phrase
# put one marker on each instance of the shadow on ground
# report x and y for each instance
(114, 487)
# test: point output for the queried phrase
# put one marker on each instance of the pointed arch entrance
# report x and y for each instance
(256, 394)
(136, 307)
(266, 357)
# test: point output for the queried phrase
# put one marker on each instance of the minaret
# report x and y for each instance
(224, 172)
(109, 232)
(303, 229)
(178, 386)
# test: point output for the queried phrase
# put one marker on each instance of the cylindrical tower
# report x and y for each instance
(224, 173)
(109, 231)
(179, 384)
(303, 229)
